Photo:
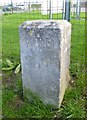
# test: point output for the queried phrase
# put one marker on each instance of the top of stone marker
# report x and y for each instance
(45, 24)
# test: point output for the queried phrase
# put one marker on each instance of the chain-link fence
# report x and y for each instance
(14, 13)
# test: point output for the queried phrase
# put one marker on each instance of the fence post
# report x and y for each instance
(12, 5)
(78, 9)
(67, 10)
(50, 9)
(63, 10)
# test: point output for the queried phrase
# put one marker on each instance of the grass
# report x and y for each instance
(14, 106)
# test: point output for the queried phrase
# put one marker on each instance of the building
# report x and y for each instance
(55, 6)
(82, 5)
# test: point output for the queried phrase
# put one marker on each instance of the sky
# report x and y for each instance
(2, 2)
(16, 1)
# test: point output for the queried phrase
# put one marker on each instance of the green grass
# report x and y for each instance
(73, 105)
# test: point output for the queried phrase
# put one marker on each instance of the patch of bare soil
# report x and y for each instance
(9, 78)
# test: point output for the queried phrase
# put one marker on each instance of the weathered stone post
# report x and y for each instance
(45, 58)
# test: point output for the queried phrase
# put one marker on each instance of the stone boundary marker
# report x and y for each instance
(45, 58)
